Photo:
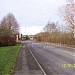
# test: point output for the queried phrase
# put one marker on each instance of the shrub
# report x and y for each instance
(8, 40)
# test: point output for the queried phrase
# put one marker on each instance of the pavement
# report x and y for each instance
(54, 60)
(26, 64)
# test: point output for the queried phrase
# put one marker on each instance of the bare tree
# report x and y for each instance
(9, 25)
(68, 12)
(8, 30)
(50, 27)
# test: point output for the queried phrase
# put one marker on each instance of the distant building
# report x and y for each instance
(31, 37)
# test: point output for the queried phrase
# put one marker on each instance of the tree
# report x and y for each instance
(8, 30)
(68, 13)
(50, 27)
(9, 25)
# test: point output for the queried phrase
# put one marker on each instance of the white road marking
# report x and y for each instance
(37, 62)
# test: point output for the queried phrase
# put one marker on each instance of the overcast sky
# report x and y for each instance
(32, 15)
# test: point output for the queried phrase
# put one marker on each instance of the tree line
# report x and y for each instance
(55, 34)
(9, 27)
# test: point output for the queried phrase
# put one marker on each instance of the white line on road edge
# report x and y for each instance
(38, 63)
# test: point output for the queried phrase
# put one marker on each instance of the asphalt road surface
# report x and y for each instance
(54, 60)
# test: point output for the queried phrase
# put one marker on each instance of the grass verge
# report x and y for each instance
(8, 57)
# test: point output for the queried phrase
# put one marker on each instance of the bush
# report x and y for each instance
(65, 38)
(8, 40)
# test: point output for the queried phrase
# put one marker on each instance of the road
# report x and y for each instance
(54, 60)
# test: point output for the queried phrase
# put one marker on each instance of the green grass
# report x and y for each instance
(8, 57)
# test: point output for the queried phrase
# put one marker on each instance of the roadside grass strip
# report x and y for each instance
(8, 57)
